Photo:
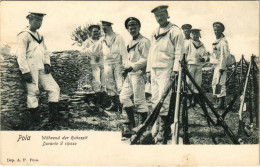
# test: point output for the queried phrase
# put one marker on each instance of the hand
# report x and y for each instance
(174, 74)
(126, 71)
(47, 68)
(221, 71)
(97, 59)
(27, 77)
(148, 76)
(202, 60)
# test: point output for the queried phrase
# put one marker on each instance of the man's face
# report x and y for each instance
(186, 33)
(95, 33)
(35, 22)
(133, 30)
(217, 31)
(106, 28)
(195, 36)
(161, 17)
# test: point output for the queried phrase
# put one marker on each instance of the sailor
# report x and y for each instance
(34, 63)
(196, 56)
(163, 62)
(186, 31)
(218, 59)
(97, 64)
(113, 48)
(134, 83)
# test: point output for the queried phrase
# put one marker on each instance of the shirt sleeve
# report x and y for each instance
(204, 53)
(122, 49)
(148, 65)
(178, 41)
(46, 55)
(22, 44)
(186, 46)
(224, 51)
(94, 49)
(144, 47)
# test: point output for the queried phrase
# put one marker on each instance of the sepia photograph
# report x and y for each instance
(90, 77)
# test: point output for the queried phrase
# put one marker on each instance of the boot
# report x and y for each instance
(141, 118)
(130, 117)
(98, 102)
(130, 122)
(53, 111)
(98, 98)
(92, 101)
(119, 105)
(35, 117)
(216, 102)
(221, 104)
(103, 99)
(161, 134)
(113, 106)
(189, 101)
(194, 103)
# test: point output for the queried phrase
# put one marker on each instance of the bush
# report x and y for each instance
(80, 34)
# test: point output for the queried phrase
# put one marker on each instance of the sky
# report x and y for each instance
(241, 19)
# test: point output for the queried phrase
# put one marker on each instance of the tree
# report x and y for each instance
(80, 34)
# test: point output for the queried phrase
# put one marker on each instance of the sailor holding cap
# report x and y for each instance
(134, 84)
(112, 46)
(218, 59)
(196, 56)
(97, 64)
(34, 63)
(163, 61)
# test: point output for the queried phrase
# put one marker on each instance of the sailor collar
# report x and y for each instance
(197, 45)
(166, 30)
(38, 39)
(114, 35)
(218, 40)
(134, 43)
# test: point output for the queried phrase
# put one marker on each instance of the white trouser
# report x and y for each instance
(134, 85)
(222, 81)
(47, 82)
(98, 78)
(114, 78)
(160, 78)
(196, 73)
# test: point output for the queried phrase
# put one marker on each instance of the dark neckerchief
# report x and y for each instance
(128, 49)
(168, 28)
(217, 41)
(161, 35)
(197, 47)
(38, 41)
